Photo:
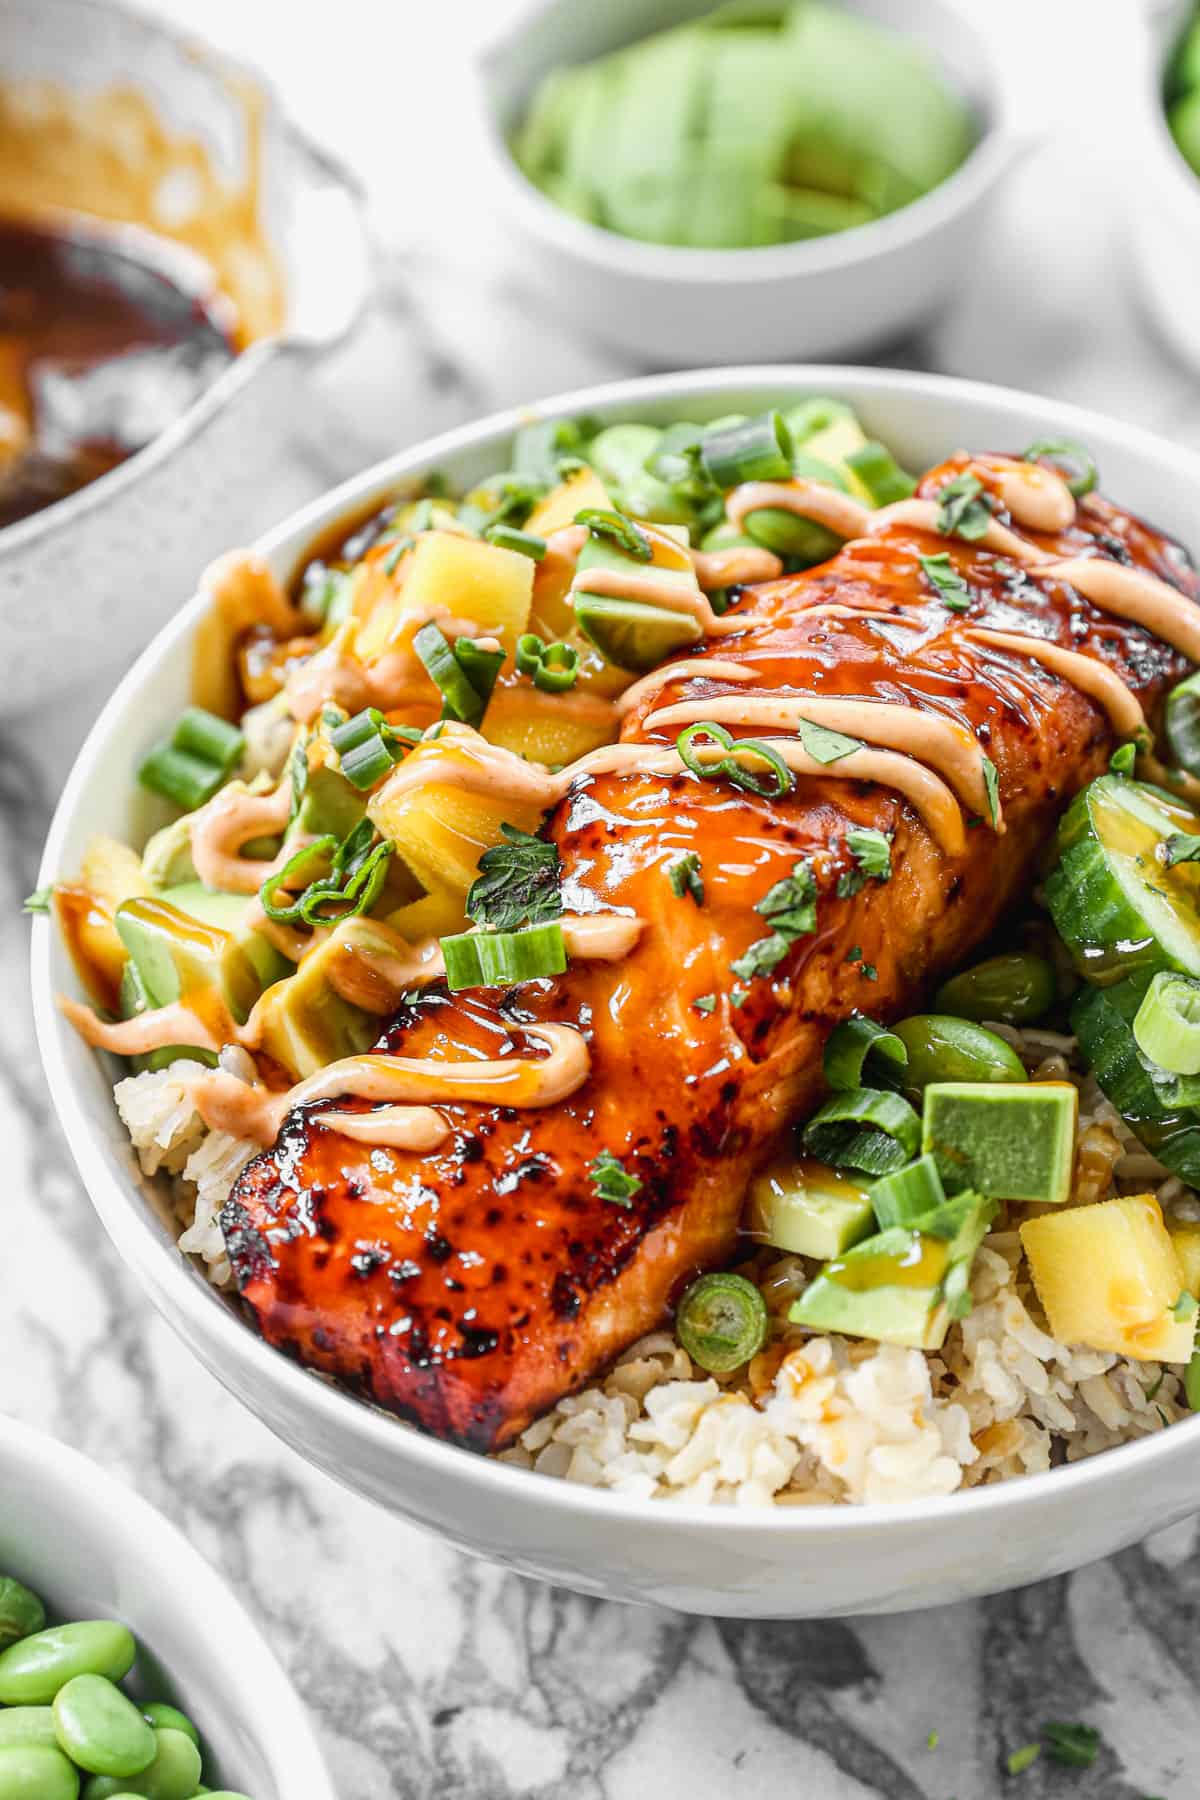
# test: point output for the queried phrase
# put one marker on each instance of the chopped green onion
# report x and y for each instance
(864, 1129)
(728, 766)
(859, 1044)
(618, 530)
(676, 461)
(539, 448)
(464, 674)
(357, 871)
(1082, 475)
(754, 450)
(503, 958)
(553, 667)
(908, 1196)
(508, 537)
(1122, 759)
(612, 1180)
(1075, 1745)
(872, 853)
(721, 1321)
(991, 783)
(952, 590)
(880, 473)
(824, 745)
(40, 901)
(287, 876)
(683, 873)
(396, 549)
(518, 882)
(1167, 1025)
(368, 747)
(964, 509)
(1023, 1759)
(199, 756)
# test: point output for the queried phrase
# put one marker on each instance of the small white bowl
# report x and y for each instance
(768, 1563)
(823, 297)
(1162, 190)
(92, 1549)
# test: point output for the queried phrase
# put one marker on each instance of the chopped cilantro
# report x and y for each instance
(854, 954)
(790, 908)
(39, 901)
(872, 853)
(823, 745)
(706, 1003)
(991, 781)
(964, 509)
(869, 971)
(1024, 1758)
(517, 884)
(1122, 759)
(612, 1180)
(683, 873)
(952, 590)
(1075, 1745)
(738, 996)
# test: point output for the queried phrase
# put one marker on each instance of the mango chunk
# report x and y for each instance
(558, 508)
(1108, 1276)
(442, 829)
(459, 577)
(1186, 1239)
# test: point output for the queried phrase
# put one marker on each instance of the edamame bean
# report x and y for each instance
(27, 1725)
(1017, 989)
(942, 1048)
(21, 1612)
(36, 1772)
(100, 1729)
(159, 1714)
(33, 1670)
(173, 1775)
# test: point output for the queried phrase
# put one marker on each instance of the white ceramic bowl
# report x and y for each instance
(1162, 191)
(92, 1549)
(786, 1563)
(820, 298)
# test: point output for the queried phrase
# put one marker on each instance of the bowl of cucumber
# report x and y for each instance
(992, 1092)
(791, 180)
(126, 1664)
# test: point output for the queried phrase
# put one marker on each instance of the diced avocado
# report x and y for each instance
(179, 955)
(634, 634)
(134, 1000)
(167, 858)
(228, 913)
(618, 453)
(330, 806)
(306, 1024)
(909, 1195)
(902, 1286)
(1012, 1142)
(808, 1208)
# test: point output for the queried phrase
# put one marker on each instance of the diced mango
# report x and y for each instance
(111, 872)
(1186, 1239)
(442, 829)
(439, 913)
(548, 728)
(304, 1024)
(1108, 1276)
(582, 489)
(462, 577)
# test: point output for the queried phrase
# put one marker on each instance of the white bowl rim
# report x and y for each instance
(289, 1748)
(179, 1295)
(997, 145)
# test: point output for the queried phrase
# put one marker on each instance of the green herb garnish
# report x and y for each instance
(1076, 1745)
(685, 877)
(518, 883)
(40, 900)
(612, 1180)
(617, 529)
(1122, 759)
(1023, 1759)
(964, 509)
(1180, 847)
(872, 853)
(823, 745)
(706, 1003)
(952, 590)
(790, 908)
(991, 781)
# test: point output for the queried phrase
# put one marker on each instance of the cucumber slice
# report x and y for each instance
(1181, 724)
(1102, 1020)
(1115, 903)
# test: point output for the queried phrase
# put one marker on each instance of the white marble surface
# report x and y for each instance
(432, 1677)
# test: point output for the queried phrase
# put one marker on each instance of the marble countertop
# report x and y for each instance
(430, 1676)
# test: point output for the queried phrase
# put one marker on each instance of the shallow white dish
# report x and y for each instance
(786, 1563)
(823, 297)
(92, 1549)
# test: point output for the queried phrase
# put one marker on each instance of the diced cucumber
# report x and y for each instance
(1008, 1142)
(1181, 724)
(1117, 905)
(1164, 1114)
(808, 1208)
(618, 454)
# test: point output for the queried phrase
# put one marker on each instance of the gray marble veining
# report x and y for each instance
(434, 1678)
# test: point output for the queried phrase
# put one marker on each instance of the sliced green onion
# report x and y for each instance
(1082, 475)
(368, 747)
(755, 450)
(952, 590)
(824, 745)
(907, 1196)
(552, 667)
(964, 509)
(721, 1321)
(508, 537)
(858, 1045)
(773, 787)
(675, 461)
(503, 958)
(199, 757)
(1167, 1024)
(287, 877)
(864, 1129)
(1191, 1382)
(880, 473)
(1122, 760)
(327, 902)
(617, 529)
(1181, 724)
(463, 671)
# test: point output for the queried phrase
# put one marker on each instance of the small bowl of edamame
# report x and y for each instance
(128, 1670)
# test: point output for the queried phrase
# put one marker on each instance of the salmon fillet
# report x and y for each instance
(469, 1289)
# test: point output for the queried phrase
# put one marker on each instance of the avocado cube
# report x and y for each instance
(305, 1023)
(181, 949)
(133, 1001)
(904, 1285)
(636, 634)
(330, 806)
(1012, 1141)
(806, 1207)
